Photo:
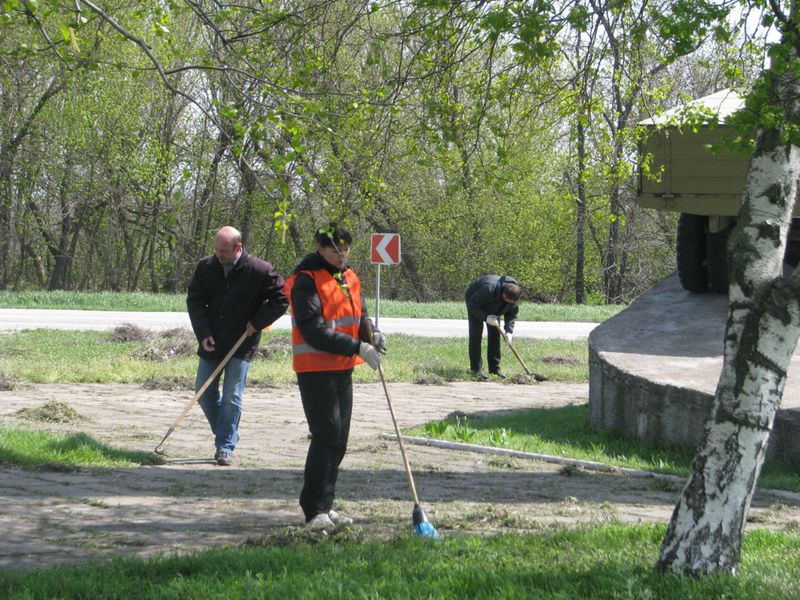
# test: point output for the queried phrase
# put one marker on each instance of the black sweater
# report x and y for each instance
(221, 306)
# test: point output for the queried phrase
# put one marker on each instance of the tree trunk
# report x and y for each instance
(39, 270)
(61, 255)
(612, 274)
(6, 201)
(580, 220)
(250, 185)
(704, 535)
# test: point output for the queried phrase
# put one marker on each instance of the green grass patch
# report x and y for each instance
(66, 300)
(38, 449)
(52, 356)
(605, 561)
(138, 301)
(566, 432)
(527, 311)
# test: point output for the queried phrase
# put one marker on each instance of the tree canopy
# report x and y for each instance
(494, 137)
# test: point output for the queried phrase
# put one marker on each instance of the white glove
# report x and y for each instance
(509, 336)
(493, 320)
(379, 341)
(369, 354)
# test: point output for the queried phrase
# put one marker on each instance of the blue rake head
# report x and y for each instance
(422, 526)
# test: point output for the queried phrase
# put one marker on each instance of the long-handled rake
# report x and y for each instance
(422, 526)
(200, 391)
(496, 323)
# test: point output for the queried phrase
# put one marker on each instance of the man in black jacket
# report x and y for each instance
(231, 293)
(490, 296)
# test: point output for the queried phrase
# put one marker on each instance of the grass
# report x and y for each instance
(65, 300)
(37, 449)
(52, 356)
(527, 312)
(602, 561)
(138, 301)
(565, 431)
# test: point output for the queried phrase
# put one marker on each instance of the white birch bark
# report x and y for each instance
(704, 535)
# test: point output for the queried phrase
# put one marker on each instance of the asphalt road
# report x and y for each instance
(12, 319)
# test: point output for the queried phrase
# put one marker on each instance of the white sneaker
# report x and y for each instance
(321, 521)
(338, 519)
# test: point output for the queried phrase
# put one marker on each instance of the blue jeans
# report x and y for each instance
(223, 412)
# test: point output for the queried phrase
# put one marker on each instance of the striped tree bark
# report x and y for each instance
(704, 535)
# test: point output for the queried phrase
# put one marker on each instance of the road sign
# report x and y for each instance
(385, 248)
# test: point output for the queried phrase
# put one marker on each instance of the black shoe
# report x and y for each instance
(224, 458)
(480, 375)
(499, 373)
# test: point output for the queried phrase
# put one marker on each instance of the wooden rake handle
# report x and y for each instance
(202, 389)
(406, 464)
(519, 358)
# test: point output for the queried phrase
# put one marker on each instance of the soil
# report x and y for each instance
(189, 503)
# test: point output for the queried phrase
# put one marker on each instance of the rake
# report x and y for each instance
(496, 323)
(422, 526)
(201, 391)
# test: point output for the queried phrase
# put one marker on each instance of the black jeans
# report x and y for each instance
(475, 342)
(328, 403)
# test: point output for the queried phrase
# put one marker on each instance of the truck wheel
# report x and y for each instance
(691, 252)
(717, 261)
(792, 255)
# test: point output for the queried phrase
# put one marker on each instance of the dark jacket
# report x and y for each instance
(221, 307)
(485, 297)
(307, 312)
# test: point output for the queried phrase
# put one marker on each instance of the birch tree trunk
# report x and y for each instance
(704, 535)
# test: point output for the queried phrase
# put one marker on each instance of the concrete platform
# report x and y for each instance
(654, 367)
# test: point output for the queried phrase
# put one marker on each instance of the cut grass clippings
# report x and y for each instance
(40, 450)
(7, 382)
(566, 432)
(50, 412)
(130, 356)
(601, 561)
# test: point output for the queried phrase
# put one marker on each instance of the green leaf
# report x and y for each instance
(65, 32)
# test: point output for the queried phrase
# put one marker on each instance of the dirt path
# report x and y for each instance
(189, 503)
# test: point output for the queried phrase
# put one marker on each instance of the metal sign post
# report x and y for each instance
(385, 250)
(377, 295)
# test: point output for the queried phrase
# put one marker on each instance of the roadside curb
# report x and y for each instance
(561, 460)
(589, 465)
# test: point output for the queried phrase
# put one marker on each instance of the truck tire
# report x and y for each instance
(792, 256)
(691, 252)
(717, 261)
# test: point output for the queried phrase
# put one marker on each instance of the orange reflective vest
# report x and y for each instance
(340, 312)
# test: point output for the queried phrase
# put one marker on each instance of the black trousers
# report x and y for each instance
(475, 342)
(328, 403)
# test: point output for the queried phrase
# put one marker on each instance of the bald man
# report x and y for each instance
(231, 293)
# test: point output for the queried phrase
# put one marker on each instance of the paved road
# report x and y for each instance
(17, 319)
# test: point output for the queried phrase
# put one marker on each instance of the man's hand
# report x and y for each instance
(208, 344)
(493, 321)
(250, 329)
(509, 336)
(369, 354)
(379, 341)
